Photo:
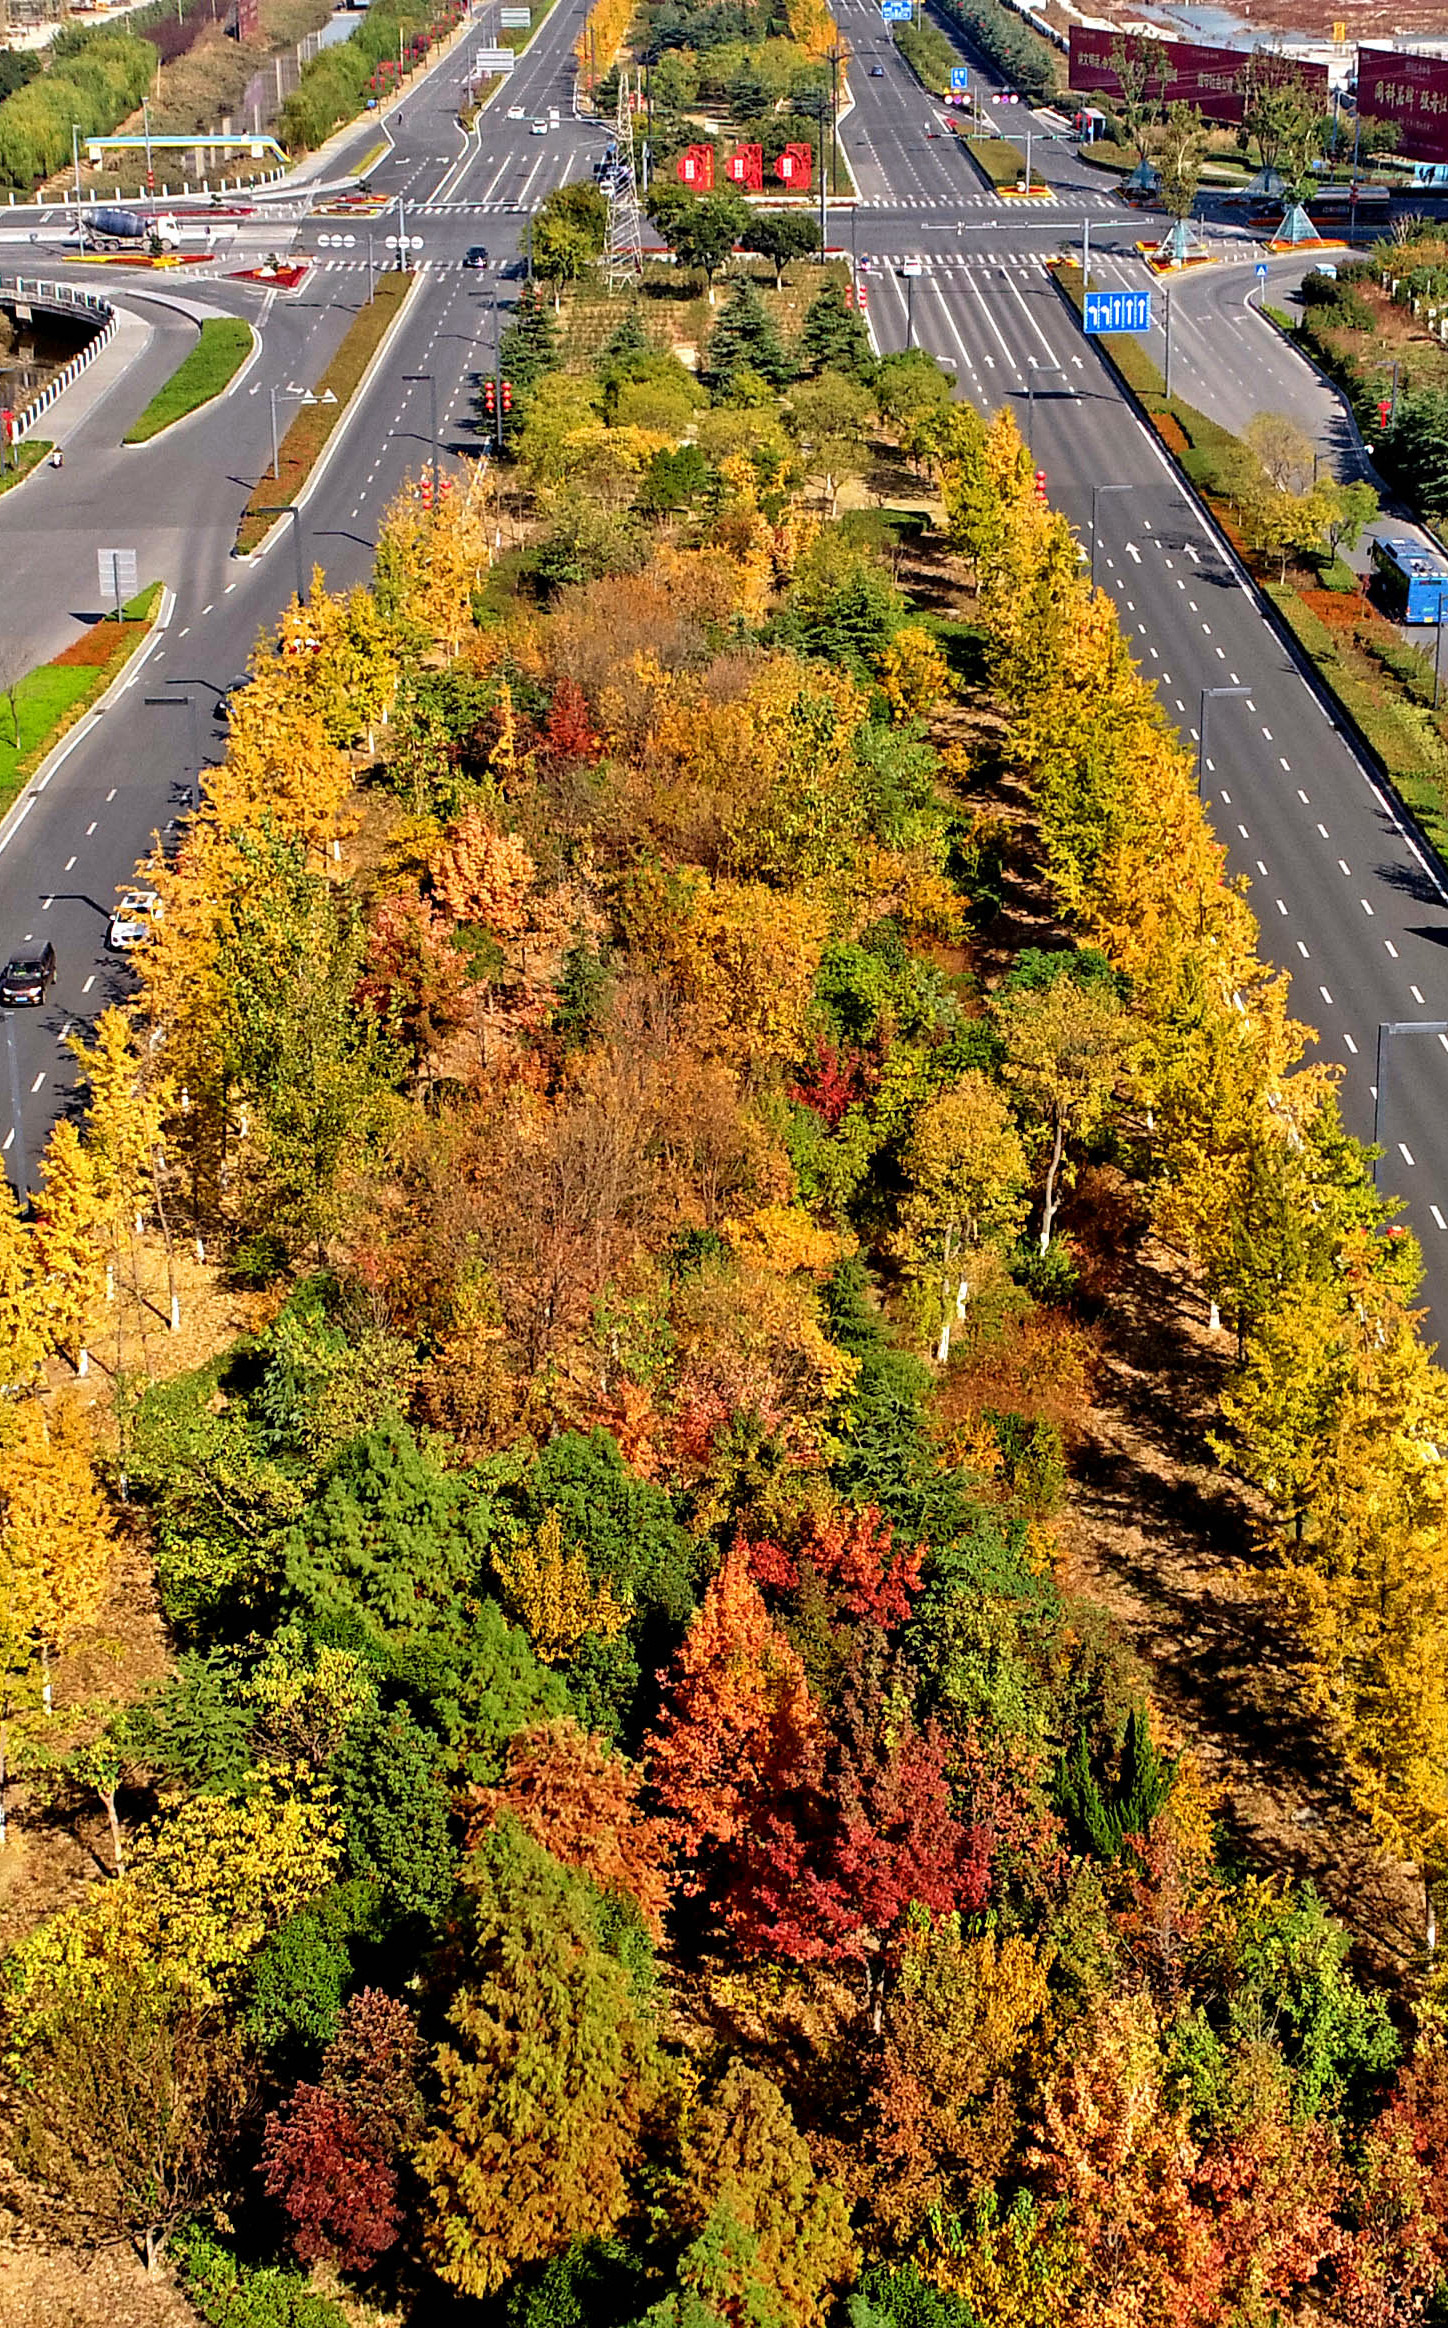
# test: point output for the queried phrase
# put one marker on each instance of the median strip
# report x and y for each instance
(211, 366)
(37, 708)
(302, 446)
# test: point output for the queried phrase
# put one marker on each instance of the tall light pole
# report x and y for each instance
(146, 119)
(1096, 493)
(1209, 695)
(290, 509)
(417, 379)
(1033, 372)
(1166, 376)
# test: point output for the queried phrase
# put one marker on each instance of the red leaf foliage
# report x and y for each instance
(570, 730)
(854, 1556)
(833, 1860)
(836, 1081)
(336, 2187)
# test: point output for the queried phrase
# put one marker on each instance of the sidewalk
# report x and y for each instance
(69, 413)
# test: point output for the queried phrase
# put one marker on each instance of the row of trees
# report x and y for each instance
(637, 1827)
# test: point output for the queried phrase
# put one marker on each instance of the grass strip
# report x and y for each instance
(301, 447)
(1003, 163)
(224, 345)
(32, 451)
(36, 712)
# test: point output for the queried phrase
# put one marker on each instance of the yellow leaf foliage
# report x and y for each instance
(55, 1531)
(553, 1596)
(913, 673)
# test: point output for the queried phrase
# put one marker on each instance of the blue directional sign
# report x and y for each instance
(896, 11)
(1118, 311)
(959, 77)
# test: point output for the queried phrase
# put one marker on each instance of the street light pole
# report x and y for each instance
(1166, 377)
(1209, 695)
(431, 378)
(290, 509)
(1096, 493)
(1387, 1028)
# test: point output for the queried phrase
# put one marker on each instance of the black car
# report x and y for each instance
(477, 256)
(27, 978)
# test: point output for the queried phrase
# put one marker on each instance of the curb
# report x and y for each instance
(1333, 709)
(318, 469)
(21, 806)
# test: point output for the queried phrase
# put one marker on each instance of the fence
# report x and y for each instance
(60, 297)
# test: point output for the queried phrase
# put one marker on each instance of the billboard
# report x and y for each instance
(745, 167)
(695, 167)
(1214, 79)
(1412, 93)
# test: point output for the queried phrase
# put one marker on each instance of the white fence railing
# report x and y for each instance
(63, 299)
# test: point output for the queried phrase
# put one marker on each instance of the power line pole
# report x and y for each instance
(623, 250)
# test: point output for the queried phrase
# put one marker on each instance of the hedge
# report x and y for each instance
(217, 357)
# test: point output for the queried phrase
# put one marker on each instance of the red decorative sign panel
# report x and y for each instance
(1412, 93)
(796, 167)
(695, 167)
(745, 167)
(1213, 79)
(248, 19)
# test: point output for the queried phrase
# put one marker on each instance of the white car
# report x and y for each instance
(134, 921)
(538, 129)
(515, 113)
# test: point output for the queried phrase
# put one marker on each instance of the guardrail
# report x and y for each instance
(66, 299)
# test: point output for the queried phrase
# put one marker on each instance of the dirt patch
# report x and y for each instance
(1161, 1537)
(66, 2291)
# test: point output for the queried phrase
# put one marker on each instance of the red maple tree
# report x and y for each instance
(336, 2186)
(853, 1554)
(863, 1828)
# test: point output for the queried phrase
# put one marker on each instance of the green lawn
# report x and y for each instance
(214, 362)
(49, 699)
(32, 452)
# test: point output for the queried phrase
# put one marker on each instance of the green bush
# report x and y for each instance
(232, 2294)
(217, 357)
(95, 85)
(928, 53)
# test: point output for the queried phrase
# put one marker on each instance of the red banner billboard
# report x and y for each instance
(1412, 93)
(695, 167)
(796, 167)
(745, 167)
(1212, 79)
(248, 20)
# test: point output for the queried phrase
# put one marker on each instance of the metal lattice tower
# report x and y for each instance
(623, 256)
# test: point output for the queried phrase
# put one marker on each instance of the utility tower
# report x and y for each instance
(623, 257)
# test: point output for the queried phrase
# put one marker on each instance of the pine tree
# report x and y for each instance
(745, 339)
(529, 346)
(545, 2080)
(834, 338)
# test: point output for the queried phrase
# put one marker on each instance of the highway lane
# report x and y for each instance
(130, 774)
(1347, 903)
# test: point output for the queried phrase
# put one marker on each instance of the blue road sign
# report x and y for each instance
(960, 77)
(1118, 311)
(896, 11)
(1261, 270)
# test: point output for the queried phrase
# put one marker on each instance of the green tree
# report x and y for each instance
(1066, 1050)
(827, 419)
(561, 253)
(700, 229)
(965, 1171)
(745, 340)
(544, 2080)
(1182, 145)
(391, 1541)
(398, 1814)
(314, 1064)
(779, 236)
(834, 338)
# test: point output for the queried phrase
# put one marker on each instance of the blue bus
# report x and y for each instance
(1413, 580)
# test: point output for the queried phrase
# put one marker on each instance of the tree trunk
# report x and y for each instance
(108, 1797)
(1048, 1213)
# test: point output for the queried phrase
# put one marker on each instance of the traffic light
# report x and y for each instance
(507, 395)
(490, 398)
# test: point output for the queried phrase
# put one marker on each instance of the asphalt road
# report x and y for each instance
(1348, 903)
(130, 772)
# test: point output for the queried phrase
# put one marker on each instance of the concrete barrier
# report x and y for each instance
(61, 299)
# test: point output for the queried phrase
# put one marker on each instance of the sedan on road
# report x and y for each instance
(27, 978)
(134, 921)
(477, 256)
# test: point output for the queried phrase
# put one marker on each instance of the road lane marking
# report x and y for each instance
(1392, 949)
(1417, 997)
(1367, 909)
(1352, 1046)
(39, 1080)
(1405, 1151)
(89, 983)
(1327, 998)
